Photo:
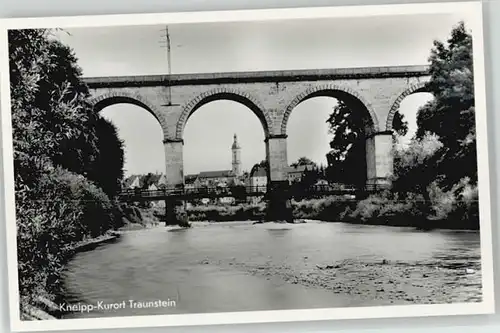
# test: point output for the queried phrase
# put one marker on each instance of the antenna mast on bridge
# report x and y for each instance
(169, 64)
(169, 55)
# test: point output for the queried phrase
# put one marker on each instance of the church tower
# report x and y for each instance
(236, 157)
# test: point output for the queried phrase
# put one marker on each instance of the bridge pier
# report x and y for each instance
(379, 159)
(279, 206)
(175, 214)
(174, 170)
(174, 208)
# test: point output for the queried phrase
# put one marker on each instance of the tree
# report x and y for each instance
(413, 164)
(262, 164)
(349, 127)
(147, 180)
(53, 123)
(107, 169)
(303, 161)
(55, 147)
(311, 176)
(451, 114)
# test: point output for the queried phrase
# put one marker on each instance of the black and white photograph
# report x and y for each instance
(246, 166)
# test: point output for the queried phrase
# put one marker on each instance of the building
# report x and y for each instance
(296, 173)
(132, 182)
(236, 156)
(221, 178)
(191, 182)
(162, 181)
(258, 178)
(215, 178)
(149, 181)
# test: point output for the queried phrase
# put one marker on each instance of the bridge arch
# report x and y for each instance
(329, 90)
(102, 101)
(224, 93)
(413, 89)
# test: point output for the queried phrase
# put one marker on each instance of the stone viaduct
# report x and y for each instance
(272, 96)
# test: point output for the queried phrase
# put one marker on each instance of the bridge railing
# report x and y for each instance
(237, 191)
(200, 191)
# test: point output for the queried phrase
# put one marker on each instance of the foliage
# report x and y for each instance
(52, 121)
(439, 166)
(241, 212)
(460, 203)
(107, 169)
(391, 209)
(332, 208)
(56, 141)
(262, 164)
(148, 180)
(63, 209)
(413, 164)
(350, 127)
(451, 114)
(303, 161)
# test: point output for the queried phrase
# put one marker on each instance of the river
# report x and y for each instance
(238, 266)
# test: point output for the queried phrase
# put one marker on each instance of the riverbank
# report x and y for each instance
(392, 209)
(44, 308)
(375, 210)
(45, 304)
(226, 213)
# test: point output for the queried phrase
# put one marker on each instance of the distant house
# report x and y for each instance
(162, 181)
(259, 178)
(215, 178)
(150, 182)
(132, 182)
(191, 182)
(295, 174)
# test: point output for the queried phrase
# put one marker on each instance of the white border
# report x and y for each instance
(473, 10)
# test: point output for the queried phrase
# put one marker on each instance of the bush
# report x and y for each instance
(330, 208)
(459, 205)
(63, 209)
(241, 212)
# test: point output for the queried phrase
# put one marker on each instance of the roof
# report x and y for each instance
(154, 179)
(127, 182)
(190, 179)
(216, 174)
(299, 168)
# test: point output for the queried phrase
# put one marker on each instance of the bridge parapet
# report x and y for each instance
(257, 76)
(244, 191)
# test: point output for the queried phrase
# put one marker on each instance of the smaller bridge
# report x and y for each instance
(242, 192)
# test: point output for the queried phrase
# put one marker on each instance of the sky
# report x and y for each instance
(249, 46)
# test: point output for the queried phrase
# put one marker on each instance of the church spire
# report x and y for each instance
(236, 156)
(235, 143)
